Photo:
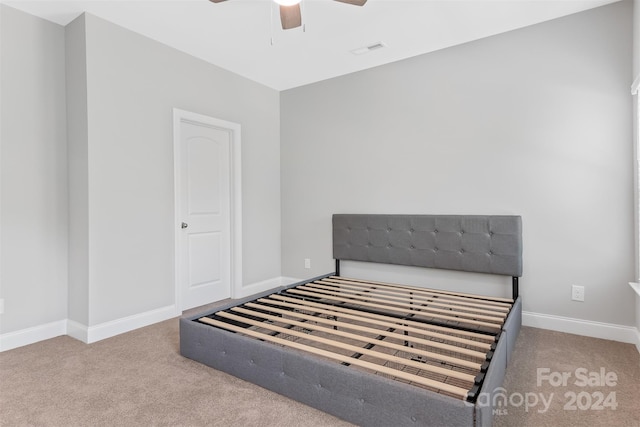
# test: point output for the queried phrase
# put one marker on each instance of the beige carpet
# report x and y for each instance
(570, 371)
(139, 379)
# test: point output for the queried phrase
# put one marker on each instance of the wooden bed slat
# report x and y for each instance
(355, 349)
(388, 324)
(490, 306)
(476, 335)
(479, 300)
(413, 306)
(416, 310)
(376, 354)
(440, 299)
(496, 300)
(431, 355)
(417, 300)
(457, 391)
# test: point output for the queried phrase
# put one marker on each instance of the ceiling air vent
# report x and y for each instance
(369, 48)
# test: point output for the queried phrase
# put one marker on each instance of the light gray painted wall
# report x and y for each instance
(78, 161)
(34, 178)
(121, 88)
(535, 122)
(36, 48)
(636, 37)
(133, 83)
(636, 72)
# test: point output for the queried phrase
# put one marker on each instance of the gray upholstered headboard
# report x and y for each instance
(475, 243)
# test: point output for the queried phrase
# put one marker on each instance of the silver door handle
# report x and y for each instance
(184, 225)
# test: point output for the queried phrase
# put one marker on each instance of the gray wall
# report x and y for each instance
(133, 83)
(121, 90)
(77, 155)
(33, 272)
(535, 122)
(636, 72)
(445, 129)
(636, 37)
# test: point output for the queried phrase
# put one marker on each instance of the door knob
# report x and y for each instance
(184, 225)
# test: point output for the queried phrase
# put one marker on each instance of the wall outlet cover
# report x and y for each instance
(577, 293)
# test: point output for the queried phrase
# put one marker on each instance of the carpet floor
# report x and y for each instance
(140, 379)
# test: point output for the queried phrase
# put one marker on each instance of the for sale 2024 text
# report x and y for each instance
(596, 400)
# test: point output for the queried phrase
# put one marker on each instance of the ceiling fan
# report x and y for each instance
(290, 15)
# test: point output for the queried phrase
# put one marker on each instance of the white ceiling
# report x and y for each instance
(244, 36)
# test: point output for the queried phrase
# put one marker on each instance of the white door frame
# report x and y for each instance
(235, 163)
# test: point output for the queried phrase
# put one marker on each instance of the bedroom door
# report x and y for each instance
(204, 212)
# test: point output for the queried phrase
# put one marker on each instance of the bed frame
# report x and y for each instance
(376, 353)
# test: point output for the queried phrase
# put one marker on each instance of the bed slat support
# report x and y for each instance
(460, 392)
(515, 286)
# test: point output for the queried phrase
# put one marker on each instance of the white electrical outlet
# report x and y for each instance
(307, 263)
(577, 293)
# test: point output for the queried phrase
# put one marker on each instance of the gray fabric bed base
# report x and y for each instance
(358, 397)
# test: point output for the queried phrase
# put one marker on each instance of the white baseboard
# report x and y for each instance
(286, 281)
(265, 285)
(86, 334)
(607, 331)
(77, 330)
(110, 329)
(11, 340)
(32, 335)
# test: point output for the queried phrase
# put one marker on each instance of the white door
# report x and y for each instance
(204, 213)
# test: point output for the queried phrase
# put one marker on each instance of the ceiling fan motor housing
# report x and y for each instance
(290, 13)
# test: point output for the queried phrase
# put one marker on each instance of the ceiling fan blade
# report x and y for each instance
(290, 16)
(353, 2)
